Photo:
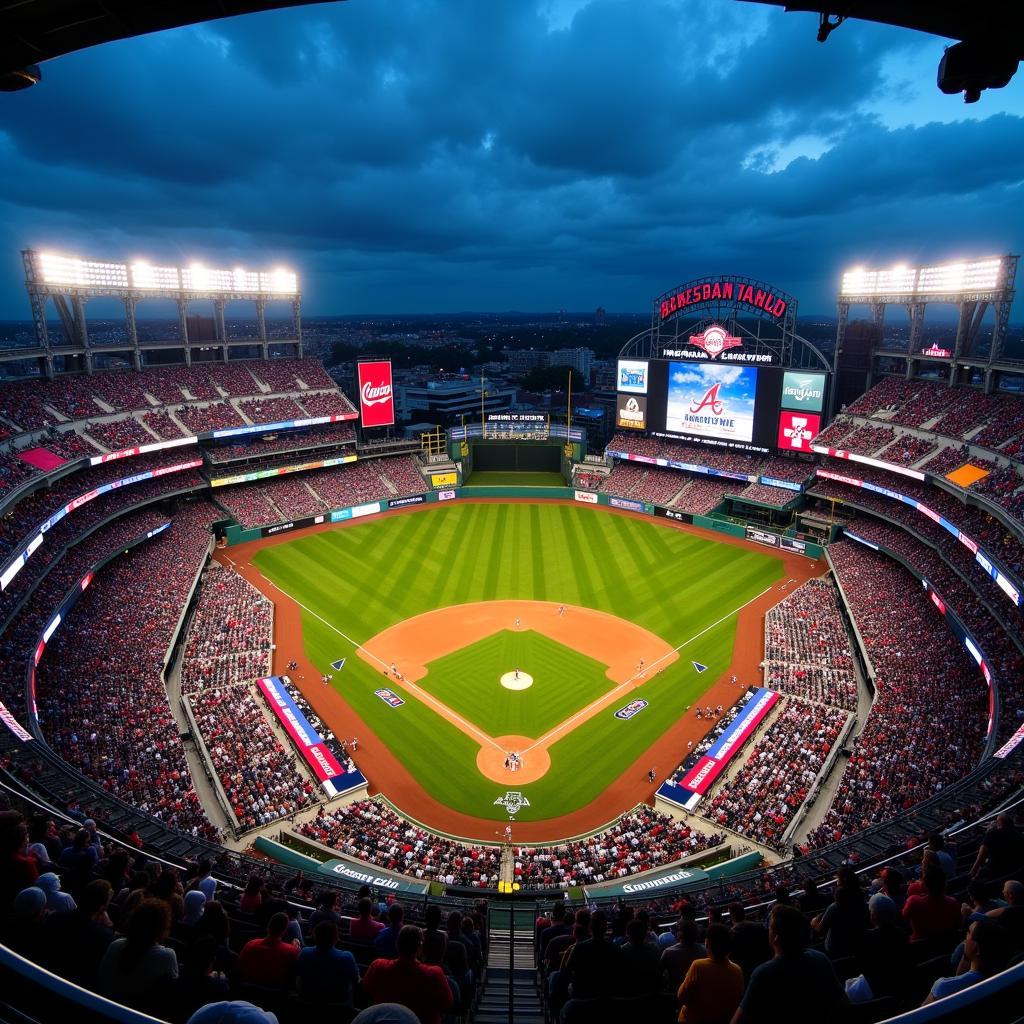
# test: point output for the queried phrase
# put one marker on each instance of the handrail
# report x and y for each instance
(72, 992)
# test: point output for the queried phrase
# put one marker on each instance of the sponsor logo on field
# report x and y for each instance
(793, 545)
(445, 495)
(762, 537)
(389, 697)
(633, 376)
(280, 528)
(443, 479)
(632, 413)
(586, 496)
(513, 802)
(715, 340)
(376, 398)
(380, 881)
(415, 499)
(633, 506)
(669, 513)
(634, 707)
(797, 430)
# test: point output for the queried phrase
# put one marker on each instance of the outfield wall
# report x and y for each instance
(235, 534)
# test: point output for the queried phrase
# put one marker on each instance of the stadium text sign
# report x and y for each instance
(723, 290)
(376, 394)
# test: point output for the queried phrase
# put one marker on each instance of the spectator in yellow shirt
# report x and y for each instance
(713, 987)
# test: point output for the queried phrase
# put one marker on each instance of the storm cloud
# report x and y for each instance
(429, 155)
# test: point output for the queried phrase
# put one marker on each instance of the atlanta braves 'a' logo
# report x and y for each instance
(715, 340)
(512, 801)
(710, 401)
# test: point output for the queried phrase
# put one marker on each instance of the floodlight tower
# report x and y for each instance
(71, 281)
(971, 285)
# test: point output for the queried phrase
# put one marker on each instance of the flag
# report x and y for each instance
(699, 667)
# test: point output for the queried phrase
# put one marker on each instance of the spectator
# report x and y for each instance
(798, 985)
(325, 974)
(1002, 849)
(268, 962)
(363, 928)
(594, 965)
(986, 950)
(845, 920)
(749, 941)
(713, 985)
(384, 942)
(640, 960)
(76, 940)
(934, 913)
(676, 960)
(137, 969)
(884, 954)
(405, 980)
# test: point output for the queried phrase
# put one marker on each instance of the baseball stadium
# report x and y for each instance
(542, 722)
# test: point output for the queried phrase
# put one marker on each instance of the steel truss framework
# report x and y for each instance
(763, 332)
(70, 302)
(971, 306)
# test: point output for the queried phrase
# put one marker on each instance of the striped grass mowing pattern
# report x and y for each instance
(363, 578)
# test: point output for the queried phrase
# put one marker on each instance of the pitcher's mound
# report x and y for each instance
(517, 680)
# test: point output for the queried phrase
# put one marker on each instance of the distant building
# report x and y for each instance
(523, 360)
(580, 359)
(447, 401)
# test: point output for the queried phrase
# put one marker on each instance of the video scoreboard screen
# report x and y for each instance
(722, 404)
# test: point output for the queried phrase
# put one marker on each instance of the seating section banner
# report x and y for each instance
(332, 775)
(702, 775)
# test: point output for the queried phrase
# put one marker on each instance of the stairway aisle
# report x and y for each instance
(509, 994)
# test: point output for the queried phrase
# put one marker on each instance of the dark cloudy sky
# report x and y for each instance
(441, 155)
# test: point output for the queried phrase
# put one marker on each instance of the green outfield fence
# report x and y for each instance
(235, 534)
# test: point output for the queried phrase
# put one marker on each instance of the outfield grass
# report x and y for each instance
(361, 579)
(493, 478)
(564, 681)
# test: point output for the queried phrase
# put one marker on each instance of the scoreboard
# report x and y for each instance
(714, 395)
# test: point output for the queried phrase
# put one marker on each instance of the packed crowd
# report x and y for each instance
(371, 831)
(993, 637)
(270, 410)
(261, 780)
(957, 554)
(22, 520)
(908, 450)
(117, 435)
(254, 446)
(290, 497)
(213, 416)
(767, 495)
(231, 632)
(638, 841)
(702, 494)
(729, 461)
(807, 649)
(926, 726)
(764, 797)
(100, 688)
(326, 403)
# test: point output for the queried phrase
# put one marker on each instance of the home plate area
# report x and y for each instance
(517, 680)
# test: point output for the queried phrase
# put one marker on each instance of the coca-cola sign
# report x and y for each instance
(376, 395)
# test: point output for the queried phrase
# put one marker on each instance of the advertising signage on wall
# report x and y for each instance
(633, 376)
(803, 391)
(632, 412)
(376, 395)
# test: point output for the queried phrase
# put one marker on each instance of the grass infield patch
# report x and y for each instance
(564, 681)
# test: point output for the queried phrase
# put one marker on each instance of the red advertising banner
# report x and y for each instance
(797, 430)
(376, 395)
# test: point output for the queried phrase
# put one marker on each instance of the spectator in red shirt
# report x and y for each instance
(364, 928)
(933, 913)
(421, 987)
(268, 962)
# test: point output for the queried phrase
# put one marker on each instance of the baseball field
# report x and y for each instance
(494, 628)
